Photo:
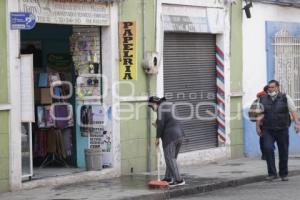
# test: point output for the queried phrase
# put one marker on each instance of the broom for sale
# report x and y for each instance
(158, 184)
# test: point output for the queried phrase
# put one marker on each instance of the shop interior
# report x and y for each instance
(67, 74)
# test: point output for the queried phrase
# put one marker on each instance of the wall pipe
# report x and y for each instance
(149, 115)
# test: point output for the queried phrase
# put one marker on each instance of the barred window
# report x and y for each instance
(287, 64)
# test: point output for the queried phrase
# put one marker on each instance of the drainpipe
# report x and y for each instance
(149, 116)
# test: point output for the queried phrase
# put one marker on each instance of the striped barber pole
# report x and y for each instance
(220, 95)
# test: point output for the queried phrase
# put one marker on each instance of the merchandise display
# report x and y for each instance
(68, 85)
(54, 120)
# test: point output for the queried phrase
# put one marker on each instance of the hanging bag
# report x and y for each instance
(255, 110)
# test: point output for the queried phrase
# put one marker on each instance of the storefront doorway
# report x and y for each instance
(69, 116)
(75, 23)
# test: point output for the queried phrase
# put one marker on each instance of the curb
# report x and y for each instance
(198, 189)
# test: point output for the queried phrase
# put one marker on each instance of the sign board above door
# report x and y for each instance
(68, 12)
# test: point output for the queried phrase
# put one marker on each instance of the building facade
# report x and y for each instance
(193, 38)
(270, 51)
(113, 55)
(192, 42)
(62, 99)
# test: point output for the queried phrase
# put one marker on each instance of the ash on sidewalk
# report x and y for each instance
(198, 179)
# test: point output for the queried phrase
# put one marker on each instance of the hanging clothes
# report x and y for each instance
(62, 116)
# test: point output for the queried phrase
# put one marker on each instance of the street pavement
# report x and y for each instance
(276, 190)
(199, 179)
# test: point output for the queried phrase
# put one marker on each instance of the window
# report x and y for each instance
(287, 64)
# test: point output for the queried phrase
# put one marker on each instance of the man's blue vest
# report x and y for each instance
(276, 113)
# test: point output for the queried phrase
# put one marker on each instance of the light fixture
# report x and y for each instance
(247, 8)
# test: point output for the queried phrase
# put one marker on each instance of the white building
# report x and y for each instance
(271, 49)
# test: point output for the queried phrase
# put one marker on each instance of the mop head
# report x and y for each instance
(157, 184)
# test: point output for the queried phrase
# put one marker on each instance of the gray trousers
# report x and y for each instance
(171, 152)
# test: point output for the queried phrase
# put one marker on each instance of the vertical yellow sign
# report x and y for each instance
(128, 60)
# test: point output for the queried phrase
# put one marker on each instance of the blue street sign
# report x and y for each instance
(22, 21)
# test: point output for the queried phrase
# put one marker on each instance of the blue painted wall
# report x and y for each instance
(81, 142)
(251, 140)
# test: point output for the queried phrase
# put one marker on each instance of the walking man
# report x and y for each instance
(275, 122)
(171, 134)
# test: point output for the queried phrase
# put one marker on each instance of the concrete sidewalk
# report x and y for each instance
(198, 179)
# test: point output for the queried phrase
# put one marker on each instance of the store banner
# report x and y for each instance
(128, 57)
(68, 12)
(193, 19)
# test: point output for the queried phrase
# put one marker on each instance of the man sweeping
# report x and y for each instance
(171, 133)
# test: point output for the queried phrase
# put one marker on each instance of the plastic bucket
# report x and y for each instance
(93, 159)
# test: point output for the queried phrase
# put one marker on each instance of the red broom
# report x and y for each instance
(158, 184)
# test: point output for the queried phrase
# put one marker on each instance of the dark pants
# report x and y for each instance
(171, 151)
(261, 144)
(281, 137)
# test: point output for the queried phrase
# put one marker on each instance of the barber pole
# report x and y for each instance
(220, 95)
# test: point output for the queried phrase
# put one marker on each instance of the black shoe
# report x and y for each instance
(271, 178)
(177, 183)
(169, 180)
(263, 157)
(284, 178)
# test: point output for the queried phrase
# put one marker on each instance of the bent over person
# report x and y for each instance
(171, 133)
(275, 128)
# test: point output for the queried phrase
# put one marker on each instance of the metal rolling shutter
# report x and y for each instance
(190, 69)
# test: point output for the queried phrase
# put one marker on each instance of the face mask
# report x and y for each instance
(272, 94)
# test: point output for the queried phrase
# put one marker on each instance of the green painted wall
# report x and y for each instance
(4, 156)
(134, 129)
(4, 115)
(236, 74)
(3, 55)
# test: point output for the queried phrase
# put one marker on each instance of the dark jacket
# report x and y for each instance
(276, 113)
(168, 128)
